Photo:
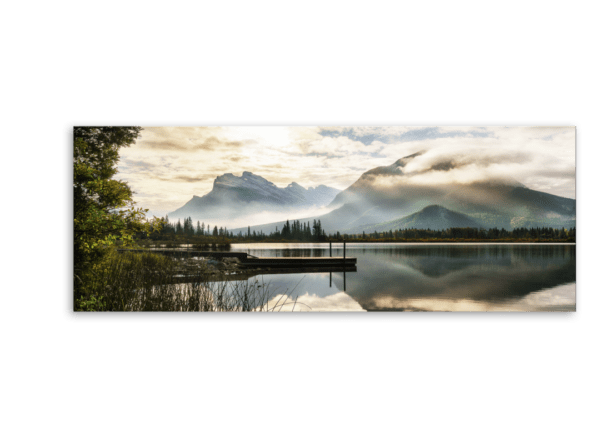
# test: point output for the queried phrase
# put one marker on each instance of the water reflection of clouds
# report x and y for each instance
(307, 292)
(559, 299)
(339, 302)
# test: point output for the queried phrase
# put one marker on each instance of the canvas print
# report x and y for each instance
(324, 218)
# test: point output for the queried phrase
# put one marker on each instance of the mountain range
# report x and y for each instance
(386, 197)
(233, 196)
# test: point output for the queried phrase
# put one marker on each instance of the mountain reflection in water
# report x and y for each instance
(425, 277)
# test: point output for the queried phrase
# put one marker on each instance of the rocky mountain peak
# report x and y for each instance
(252, 193)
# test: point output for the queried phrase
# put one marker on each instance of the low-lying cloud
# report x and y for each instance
(261, 217)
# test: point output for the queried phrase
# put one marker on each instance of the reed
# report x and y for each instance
(153, 282)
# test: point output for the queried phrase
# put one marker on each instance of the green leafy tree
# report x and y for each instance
(104, 211)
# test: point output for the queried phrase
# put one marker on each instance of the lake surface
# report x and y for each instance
(427, 277)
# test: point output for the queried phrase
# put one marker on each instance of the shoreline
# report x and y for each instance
(227, 246)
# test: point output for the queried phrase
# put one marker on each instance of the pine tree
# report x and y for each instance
(190, 230)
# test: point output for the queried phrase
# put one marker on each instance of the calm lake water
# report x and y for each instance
(427, 277)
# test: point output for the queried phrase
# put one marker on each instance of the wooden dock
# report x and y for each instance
(243, 275)
(263, 262)
(300, 262)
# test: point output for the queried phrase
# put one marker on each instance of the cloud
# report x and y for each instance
(187, 178)
(447, 158)
(192, 145)
(168, 165)
(540, 158)
(435, 132)
(467, 163)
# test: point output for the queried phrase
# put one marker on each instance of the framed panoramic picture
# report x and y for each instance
(324, 218)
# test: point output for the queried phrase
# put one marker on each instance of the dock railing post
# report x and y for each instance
(329, 248)
(344, 255)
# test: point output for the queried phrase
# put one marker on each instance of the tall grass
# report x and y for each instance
(154, 282)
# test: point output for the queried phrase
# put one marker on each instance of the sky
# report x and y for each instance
(169, 165)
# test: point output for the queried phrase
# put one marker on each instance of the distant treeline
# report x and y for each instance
(466, 233)
(291, 231)
(305, 232)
